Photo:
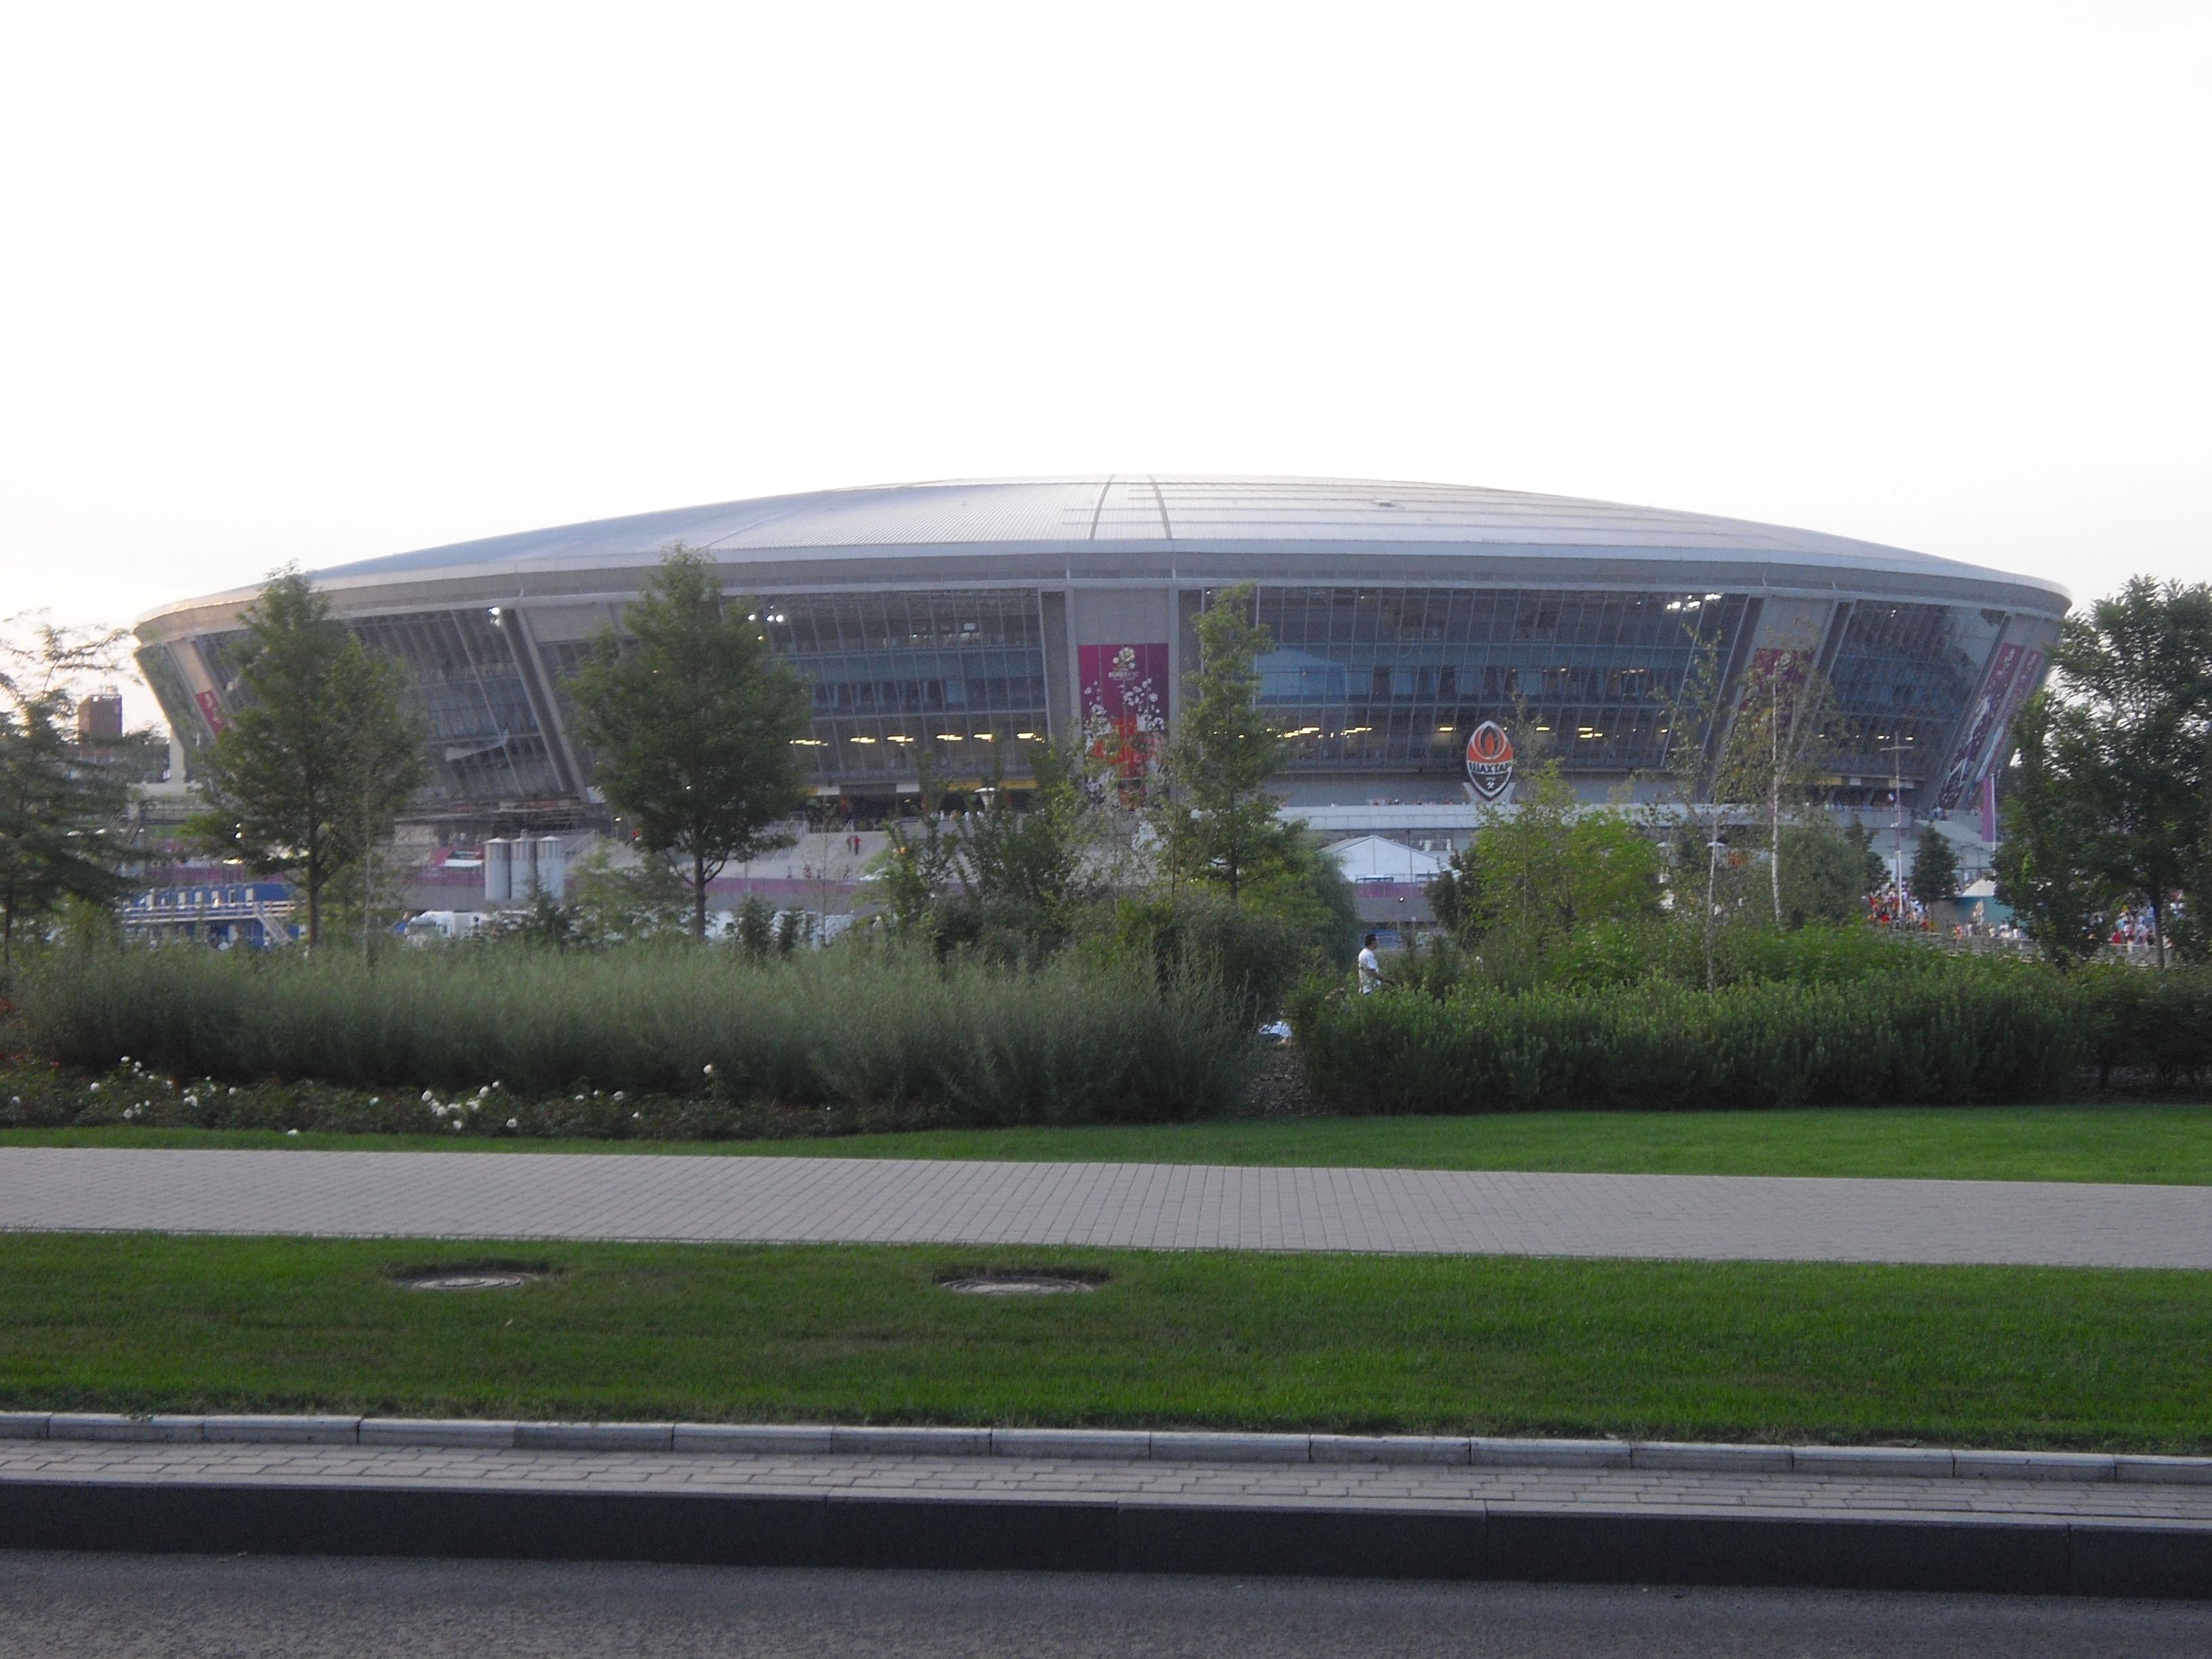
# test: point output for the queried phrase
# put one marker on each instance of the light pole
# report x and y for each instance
(1896, 752)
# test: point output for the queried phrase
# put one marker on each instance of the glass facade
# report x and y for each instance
(1903, 674)
(1365, 678)
(484, 738)
(960, 675)
(1362, 679)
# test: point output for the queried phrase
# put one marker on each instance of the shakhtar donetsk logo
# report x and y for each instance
(1489, 760)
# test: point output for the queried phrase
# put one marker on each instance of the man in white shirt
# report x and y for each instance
(1370, 971)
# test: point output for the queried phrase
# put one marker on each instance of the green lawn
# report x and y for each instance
(2128, 1143)
(2019, 1357)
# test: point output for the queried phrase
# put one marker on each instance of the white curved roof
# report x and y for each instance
(1134, 510)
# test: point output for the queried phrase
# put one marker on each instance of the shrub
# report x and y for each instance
(1256, 956)
(2142, 1020)
(883, 1029)
(1951, 1039)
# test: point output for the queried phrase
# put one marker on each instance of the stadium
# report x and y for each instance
(968, 621)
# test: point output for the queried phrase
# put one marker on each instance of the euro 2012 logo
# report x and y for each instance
(1489, 760)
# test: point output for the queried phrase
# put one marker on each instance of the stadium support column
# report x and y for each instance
(537, 686)
(1060, 678)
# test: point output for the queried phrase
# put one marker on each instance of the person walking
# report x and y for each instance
(1370, 971)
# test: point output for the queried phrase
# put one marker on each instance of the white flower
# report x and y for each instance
(233, 1088)
(637, 1115)
(710, 1071)
(428, 1096)
(514, 1123)
(124, 1060)
(476, 1105)
(482, 1093)
(618, 1094)
(291, 1132)
(191, 1100)
(95, 1088)
(374, 1101)
(456, 1124)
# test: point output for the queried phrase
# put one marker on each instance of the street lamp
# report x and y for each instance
(1896, 752)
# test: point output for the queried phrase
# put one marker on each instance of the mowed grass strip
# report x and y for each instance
(2119, 1143)
(1802, 1352)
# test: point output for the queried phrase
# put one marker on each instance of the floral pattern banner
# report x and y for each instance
(1124, 708)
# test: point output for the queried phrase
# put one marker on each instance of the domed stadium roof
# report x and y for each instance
(1137, 510)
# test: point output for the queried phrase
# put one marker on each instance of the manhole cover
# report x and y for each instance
(478, 1281)
(1015, 1284)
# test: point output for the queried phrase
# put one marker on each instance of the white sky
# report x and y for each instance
(316, 282)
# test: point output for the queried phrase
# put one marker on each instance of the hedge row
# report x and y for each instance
(887, 1031)
(1933, 1039)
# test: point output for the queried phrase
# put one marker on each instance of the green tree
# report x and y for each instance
(1030, 868)
(313, 767)
(626, 904)
(56, 801)
(756, 927)
(1700, 778)
(1935, 875)
(693, 724)
(1547, 867)
(1216, 821)
(1766, 753)
(1827, 873)
(2047, 868)
(2131, 733)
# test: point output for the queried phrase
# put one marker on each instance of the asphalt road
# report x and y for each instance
(56, 1605)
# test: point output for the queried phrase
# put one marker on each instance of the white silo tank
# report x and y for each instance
(552, 867)
(499, 871)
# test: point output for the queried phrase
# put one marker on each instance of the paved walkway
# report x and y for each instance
(1399, 1487)
(1127, 1205)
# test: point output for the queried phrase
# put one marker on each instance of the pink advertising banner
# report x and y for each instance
(1125, 704)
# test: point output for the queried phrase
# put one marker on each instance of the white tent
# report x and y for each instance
(1371, 858)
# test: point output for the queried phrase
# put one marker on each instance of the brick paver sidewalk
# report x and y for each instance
(1195, 1482)
(1132, 1206)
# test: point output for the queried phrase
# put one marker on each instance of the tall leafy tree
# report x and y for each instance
(1032, 868)
(1935, 875)
(1550, 866)
(1215, 817)
(693, 723)
(321, 754)
(2131, 735)
(57, 799)
(2049, 870)
(1766, 754)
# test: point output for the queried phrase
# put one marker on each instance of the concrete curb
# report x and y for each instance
(1122, 1445)
(1477, 1540)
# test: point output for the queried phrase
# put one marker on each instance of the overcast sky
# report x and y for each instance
(320, 282)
